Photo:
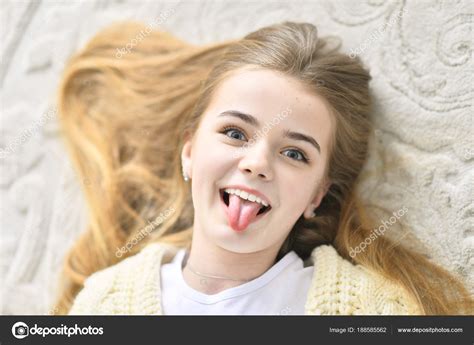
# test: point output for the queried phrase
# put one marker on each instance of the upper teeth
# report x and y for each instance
(245, 195)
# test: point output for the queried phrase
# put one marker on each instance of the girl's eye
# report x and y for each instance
(296, 155)
(236, 133)
(233, 133)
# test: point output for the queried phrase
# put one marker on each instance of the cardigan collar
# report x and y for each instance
(148, 284)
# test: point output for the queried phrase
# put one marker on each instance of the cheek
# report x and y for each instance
(210, 166)
(213, 154)
(294, 182)
(296, 195)
(295, 202)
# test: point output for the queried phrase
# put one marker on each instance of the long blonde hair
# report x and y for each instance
(123, 114)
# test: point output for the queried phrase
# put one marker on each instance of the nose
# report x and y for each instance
(256, 162)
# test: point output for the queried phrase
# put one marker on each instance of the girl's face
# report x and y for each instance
(262, 132)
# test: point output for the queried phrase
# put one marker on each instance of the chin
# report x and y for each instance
(232, 242)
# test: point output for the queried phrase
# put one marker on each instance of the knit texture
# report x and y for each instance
(132, 287)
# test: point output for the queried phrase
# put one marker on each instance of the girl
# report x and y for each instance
(227, 176)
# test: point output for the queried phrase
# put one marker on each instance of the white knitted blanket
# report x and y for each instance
(420, 57)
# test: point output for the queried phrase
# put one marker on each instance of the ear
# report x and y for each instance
(186, 154)
(308, 212)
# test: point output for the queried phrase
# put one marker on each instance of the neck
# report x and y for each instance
(212, 261)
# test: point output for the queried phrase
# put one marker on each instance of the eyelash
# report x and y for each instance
(228, 128)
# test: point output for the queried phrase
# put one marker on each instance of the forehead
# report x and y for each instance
(265, 94)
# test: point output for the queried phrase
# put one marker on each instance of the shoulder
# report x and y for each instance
(116, 290)
(339, 287)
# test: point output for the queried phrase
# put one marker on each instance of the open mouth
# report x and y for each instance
(225, 199)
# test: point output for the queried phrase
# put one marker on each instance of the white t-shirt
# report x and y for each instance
(281, 290)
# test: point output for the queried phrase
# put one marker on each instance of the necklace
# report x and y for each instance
(186, 264)
(215, 277)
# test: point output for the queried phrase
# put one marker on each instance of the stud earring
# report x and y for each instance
(185, 176)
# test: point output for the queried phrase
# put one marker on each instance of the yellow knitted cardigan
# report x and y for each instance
(132, 287)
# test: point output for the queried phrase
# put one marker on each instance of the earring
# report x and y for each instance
(185, 176)
(312, 214)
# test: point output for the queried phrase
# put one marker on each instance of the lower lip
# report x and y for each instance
(226, 210)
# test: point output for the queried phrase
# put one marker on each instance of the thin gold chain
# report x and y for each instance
(188, 265)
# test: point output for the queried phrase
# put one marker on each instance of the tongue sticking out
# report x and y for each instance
(241, 212)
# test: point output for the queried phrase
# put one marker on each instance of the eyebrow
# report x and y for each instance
(288, 134)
